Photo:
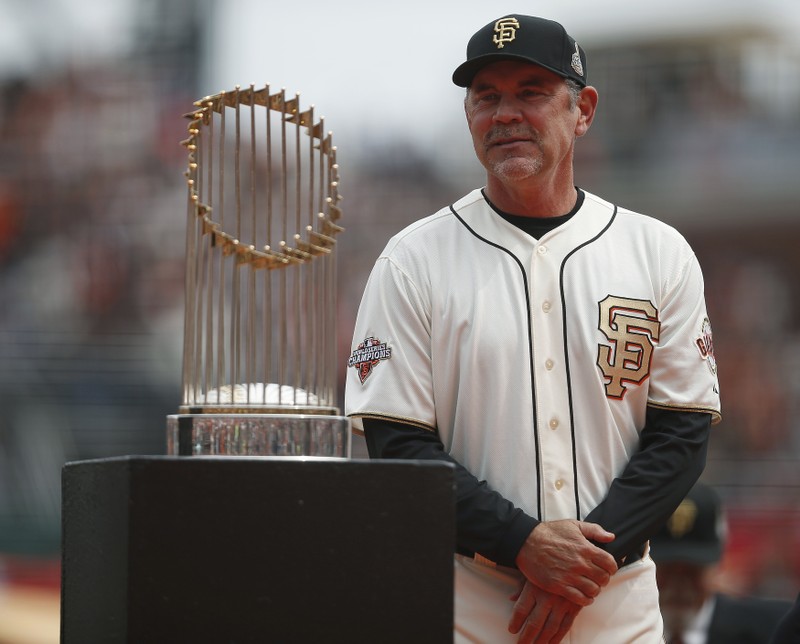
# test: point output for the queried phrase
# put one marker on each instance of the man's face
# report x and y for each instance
(522, 120)
(682, 590)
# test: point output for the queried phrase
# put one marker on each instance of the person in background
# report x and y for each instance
(687, 552)
(788, 629)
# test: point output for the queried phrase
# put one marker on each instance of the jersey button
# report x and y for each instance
(553, 423)
(541, 249)
(546, 306)
(559, 484)
(549, 364)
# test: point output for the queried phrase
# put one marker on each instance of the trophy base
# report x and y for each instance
(253, 434)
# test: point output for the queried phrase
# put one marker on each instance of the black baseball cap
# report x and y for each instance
(527, 38)
(695, 531)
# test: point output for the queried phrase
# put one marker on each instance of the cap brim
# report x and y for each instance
(465, 72)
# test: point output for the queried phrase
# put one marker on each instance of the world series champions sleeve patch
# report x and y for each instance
(367, 355)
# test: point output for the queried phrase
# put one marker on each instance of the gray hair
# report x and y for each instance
(574, 92)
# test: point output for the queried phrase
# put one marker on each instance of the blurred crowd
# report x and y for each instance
(91, 266)
(92, 225)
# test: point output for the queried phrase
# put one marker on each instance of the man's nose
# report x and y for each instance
(508, 110)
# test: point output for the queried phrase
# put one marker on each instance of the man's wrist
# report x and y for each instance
(514, 539)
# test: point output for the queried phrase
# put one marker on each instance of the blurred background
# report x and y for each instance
(698, 125)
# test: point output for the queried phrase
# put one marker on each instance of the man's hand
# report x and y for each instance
(558, 557)
(540, 616)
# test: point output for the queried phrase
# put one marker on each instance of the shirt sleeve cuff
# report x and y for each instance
(512, 542)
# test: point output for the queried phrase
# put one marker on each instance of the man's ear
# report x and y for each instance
(587, 104)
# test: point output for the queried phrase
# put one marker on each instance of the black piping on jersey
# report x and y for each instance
(566, 356)
(530, 353)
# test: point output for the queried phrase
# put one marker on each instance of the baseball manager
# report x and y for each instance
(555, 347)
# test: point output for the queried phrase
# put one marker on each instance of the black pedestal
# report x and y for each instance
(238, 549)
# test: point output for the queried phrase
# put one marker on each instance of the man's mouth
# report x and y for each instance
(506, 139)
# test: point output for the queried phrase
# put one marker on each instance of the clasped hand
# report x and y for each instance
(564, 571)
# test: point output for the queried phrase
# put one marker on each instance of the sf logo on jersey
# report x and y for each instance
(367, 355)
(631, 326)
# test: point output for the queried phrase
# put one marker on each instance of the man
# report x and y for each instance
(687, 552)
(554, 347)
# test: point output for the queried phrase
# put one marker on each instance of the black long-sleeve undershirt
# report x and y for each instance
(486, 522)
(669, 461)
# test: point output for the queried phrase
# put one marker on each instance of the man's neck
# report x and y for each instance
(532, 200)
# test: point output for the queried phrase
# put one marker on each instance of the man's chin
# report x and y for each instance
(516, 168)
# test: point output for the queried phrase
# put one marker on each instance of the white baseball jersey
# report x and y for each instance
(534, 359)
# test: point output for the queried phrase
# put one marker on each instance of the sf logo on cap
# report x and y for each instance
(505, 31)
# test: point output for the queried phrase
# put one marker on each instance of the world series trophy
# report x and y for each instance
(259, 345)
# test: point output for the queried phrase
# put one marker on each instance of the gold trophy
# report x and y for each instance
(259, 346)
